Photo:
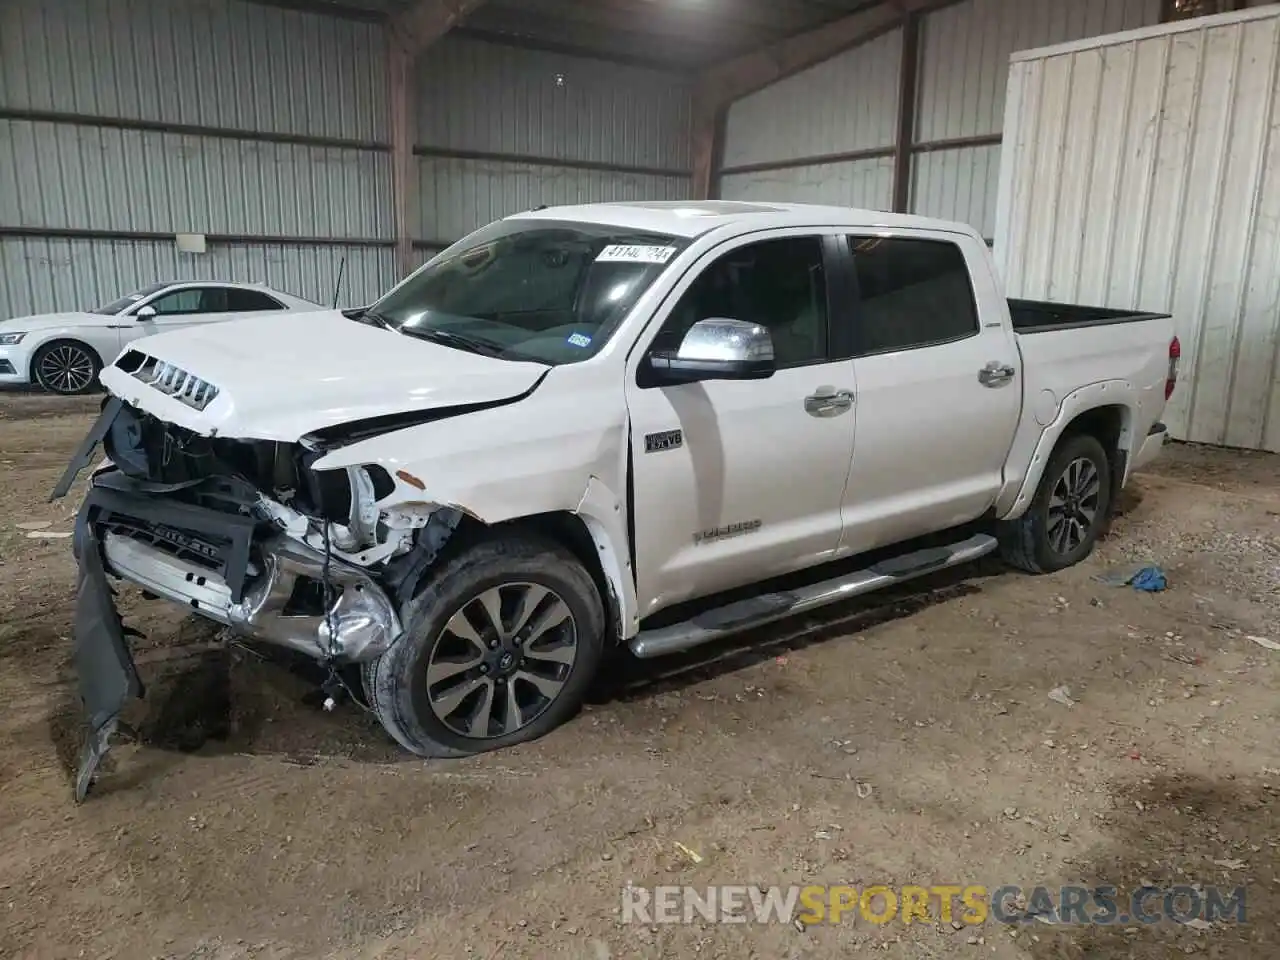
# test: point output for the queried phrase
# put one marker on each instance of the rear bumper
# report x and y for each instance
(1151, 447)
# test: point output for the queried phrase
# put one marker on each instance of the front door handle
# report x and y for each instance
(828, 402)
(996, 374)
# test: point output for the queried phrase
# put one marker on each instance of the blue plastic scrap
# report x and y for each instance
(1149, 579)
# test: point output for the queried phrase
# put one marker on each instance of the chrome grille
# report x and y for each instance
(176, 382)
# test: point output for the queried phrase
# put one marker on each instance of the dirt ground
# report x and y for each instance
(897, 740)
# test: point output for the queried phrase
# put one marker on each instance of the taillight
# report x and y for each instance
(1175, 354)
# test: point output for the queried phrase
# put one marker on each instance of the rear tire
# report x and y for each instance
(66, 367)
(1068, 512)
(499, 647)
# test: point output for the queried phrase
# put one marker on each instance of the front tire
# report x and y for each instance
(499, 647)
(1071, 506)
(66, 367)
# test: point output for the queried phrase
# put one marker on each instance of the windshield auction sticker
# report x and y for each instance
(625, 253)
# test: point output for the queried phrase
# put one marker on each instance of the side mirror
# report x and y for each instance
(145, 313)
(715, 349)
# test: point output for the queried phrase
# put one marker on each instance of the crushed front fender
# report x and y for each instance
(108, 677)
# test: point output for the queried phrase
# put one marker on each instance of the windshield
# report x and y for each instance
(115, 306)
(541, 290)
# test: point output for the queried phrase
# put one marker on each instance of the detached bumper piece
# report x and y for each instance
(1152, 446)
(108, 677)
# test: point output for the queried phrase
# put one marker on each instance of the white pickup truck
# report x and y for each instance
(648, 424)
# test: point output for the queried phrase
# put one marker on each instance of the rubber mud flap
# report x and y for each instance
(107, 674)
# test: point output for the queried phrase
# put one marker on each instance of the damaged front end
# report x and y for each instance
(244, 533)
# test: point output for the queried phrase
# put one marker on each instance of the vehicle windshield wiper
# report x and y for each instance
(458, 341)
(368, 317)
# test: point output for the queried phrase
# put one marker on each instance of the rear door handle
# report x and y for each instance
(996, 374)
(828, 402)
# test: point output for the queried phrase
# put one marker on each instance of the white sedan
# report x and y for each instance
(63, 352)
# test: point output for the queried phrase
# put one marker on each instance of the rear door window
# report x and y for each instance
(911, 293)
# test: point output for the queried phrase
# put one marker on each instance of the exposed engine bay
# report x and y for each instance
(248, 534)
(274, 480)
(244, 533)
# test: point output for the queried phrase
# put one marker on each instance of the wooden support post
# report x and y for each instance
(909, 72)
(707, 137)
(409, 33)
(400, 62)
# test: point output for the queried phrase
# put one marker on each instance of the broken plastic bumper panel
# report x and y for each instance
(226, 566)
(108, 677)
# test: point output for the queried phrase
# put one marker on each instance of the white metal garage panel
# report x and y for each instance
(1142, 170)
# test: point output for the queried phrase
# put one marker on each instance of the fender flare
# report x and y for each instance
(1105, 393)
(601, 512)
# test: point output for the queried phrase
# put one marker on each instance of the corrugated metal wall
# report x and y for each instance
(835, 114)
(850, 103)
(847, 104)
(457, 196)
(857, 183)
(504, 129)
(1145, 173)
(964, 68)
(216, 63)
(95, 178)
(285, 119)
(77, 274)
(957, 184)
(123, 122)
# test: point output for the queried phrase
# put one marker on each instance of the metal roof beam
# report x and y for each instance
(418, 26)
(720, 85)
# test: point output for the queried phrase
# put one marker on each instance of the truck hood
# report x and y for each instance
(297, 374)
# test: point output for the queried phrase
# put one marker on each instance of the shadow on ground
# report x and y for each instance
(628, 678)
(236, 700)
(1181, 830)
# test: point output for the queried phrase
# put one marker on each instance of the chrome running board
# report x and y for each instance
(756, 611)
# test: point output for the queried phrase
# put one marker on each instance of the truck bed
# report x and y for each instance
(1038, 316)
